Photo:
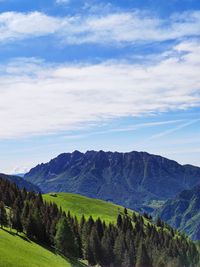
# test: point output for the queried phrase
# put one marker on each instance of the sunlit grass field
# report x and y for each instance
(79, 205)
(18, 251)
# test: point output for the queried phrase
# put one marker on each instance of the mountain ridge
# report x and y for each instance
(132, 179)
(20, 182)
(183, 212)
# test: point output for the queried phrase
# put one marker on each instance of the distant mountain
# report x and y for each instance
(19, 174)
(20, 182)
(131, 179)
(183, 212)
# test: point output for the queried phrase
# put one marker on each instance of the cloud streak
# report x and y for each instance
(41, 98)
(113, 27)
(175, 129)
(135, 127)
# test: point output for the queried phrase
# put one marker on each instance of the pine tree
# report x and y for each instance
(16, 220)
(3, 215)
(119, 249)
(119, 221)
(130, 247)
(106, 249)
(10, 217)
(125, 211)
(25, 213)
(85, 233)
(143, 259)
(134, 217)
(126, 262)
(159, 223)
(64, 238)
(40, 232)
(99, 228)
(30, 227)
(95, 245)
(90, 256)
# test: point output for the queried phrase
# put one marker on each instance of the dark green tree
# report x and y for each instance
(126, 262)
(16, 220)
(99, 227)
(30, 227)
(125, 211)
(95, 245)
(119, 221)
(64, 238)
(143, 259)
(106, 249)
(119, 249)
(3, 215)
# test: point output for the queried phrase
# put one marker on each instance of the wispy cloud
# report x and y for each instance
(175, 129)
(62, 2)
(113, 27)
(144, 125)
(40, 98)
(131, 128)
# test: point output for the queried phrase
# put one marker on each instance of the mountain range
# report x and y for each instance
(183, 212)
(134, 179)
(20, 182)
(137, 180)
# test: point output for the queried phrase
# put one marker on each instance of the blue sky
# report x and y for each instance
(114, 75)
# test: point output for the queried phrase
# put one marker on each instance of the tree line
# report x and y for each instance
(133, 241)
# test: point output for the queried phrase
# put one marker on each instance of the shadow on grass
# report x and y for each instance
(72, 261)
(15, 234)
(7, 231)
(24, 238)
(76, 263)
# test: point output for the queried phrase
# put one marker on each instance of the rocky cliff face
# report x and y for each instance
(131, 179)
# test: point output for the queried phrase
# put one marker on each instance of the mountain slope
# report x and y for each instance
(20, 182)
(123, 243)
(17, 251)
(130, 179)
(183, 212)
(80, 205)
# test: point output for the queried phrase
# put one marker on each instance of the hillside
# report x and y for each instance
(132, 179)
(183, 212)
(80, 205)
(18, 251)
(20, 182)
(132, 240)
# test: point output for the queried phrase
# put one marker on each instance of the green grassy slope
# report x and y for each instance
(79, 205)
(17, 251)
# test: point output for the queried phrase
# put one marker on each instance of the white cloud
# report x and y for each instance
(112, 27)
(37, 98)
(62, 1)
(15, 25)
